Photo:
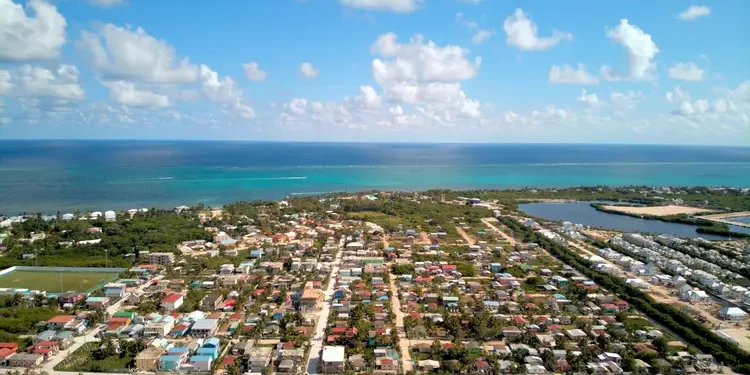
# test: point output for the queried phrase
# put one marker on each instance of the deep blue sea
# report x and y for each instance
(51, 176)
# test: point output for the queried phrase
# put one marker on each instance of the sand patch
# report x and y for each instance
(657, 210)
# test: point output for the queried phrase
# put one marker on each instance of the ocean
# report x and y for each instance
(68, 176)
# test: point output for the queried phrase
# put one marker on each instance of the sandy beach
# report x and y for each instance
(658, 210)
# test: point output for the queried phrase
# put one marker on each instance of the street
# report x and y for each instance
(317, 341)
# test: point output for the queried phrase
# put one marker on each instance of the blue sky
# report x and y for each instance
(377, 70)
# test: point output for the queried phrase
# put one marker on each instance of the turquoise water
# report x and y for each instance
(51, 176)
(583, 213)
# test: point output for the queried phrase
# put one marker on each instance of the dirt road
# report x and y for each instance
(469, 239)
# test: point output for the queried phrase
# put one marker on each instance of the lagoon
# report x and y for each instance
(583, 213)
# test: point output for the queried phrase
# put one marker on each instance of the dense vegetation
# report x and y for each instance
(731, 200)
(17, 320)
(678, 322)
(155, 230)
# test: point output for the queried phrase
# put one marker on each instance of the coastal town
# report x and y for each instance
(379, 282)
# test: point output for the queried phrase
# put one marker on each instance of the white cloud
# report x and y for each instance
(297, 106)
(370, 98)
(686, 72)
(35, 81)
(625, 101)
(307, 70)
(568, 74)
(134, 55)
(589, 100)
(253, 71)
(106, 3)
(126, 93)
(24, 37)
(218, 90)
(397, 6)
(522, 33)
(482, 36)
(224, 90)
(473, 2)
(420, 61)
(420, 72)
(5, 82)
(676, 95)
(694, 12)
(641, 50)
(730, 111)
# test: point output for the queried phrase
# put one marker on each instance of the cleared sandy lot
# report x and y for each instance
(658, 210)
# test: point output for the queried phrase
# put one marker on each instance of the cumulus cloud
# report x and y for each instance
(640, 49)
(567, 74)
(297, 106)
(589, 100)
(126, 93)
(625, 101)
(36, 35)
(676, 95)
(224, 90)
(307, 70)
(482, 36)
(418, 60)
(106, 3)
(694, 12)
(132, 54)
(421, 72)
(730, 110)
(686, 72)
(253, 71)
(369, 97)
(397, 6)
(35, 81)
(521, 33)
(5, 82)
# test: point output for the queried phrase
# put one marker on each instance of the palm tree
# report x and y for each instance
(15, 299)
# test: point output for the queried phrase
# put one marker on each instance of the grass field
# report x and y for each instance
(50, 281)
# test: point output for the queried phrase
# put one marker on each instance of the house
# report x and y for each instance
(59, 322)
(386, 364)
(535, 369)
(309, 300)
(161, 258)
(428, 365)
(212, 301)
(732, 313)
(333, 359)
(148, 359)
(171, 362)
(70, 298)
(258, 358)
(204, 327)
(27, 360)
(201, 363)
(114, 290)
(97, 302)
(172, 302)
(5, 354)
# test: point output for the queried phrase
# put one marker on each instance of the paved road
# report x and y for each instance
(320, 328)
(406, 363)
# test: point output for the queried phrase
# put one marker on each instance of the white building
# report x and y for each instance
(333, 359)
(732, 313)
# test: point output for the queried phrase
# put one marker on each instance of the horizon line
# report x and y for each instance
(362, 142)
